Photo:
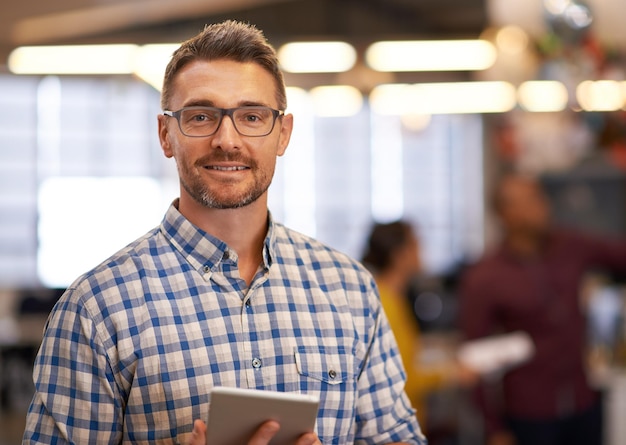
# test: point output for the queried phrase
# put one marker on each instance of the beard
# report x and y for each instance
(217, 196)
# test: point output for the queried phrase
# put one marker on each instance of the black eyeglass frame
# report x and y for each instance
(224, 112)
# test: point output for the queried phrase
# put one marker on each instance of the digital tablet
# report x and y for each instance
(497, 353)
(235, 414)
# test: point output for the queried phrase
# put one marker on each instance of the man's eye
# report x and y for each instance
(200, 117)
(253, 118)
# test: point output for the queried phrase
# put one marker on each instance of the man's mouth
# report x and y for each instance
(226, 169)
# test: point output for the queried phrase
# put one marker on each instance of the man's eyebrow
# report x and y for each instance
(199, 103)
(210, 103)
(253, 104)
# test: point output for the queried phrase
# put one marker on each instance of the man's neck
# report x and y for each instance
(526, 245)
(242, 229)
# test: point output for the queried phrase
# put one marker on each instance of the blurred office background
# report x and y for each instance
(414, 132)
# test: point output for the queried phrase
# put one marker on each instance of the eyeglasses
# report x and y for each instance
(199, 122)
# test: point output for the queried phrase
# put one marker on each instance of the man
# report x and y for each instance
(219, 293)
(531, 283)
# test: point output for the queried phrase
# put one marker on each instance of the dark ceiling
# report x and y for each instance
(154, 21)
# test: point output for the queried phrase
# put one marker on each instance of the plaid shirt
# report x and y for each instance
(132, 349)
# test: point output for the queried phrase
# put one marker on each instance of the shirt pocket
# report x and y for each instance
(329, 373)
(332, 366)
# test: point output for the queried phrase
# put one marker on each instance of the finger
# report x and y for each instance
(264, 434)
(308, 439)
(198, 437)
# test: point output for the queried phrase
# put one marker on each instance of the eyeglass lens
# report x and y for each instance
(204, 121)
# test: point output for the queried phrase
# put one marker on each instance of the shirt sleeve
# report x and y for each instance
(384, 413)
(607, 254)
(75, 397)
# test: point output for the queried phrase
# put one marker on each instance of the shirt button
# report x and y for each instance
(256, 363)
(206, 269)
(247, 303)
(332, 374)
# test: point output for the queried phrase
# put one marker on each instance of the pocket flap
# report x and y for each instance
(329, 365)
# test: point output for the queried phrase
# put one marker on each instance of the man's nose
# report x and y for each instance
(227, 135)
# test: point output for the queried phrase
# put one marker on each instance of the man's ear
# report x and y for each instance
(166, 145)
(286, 128)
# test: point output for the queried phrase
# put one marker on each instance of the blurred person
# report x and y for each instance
(392, 254)
(531, 282)
(219, 293)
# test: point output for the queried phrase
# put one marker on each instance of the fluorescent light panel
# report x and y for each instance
(444, 98)
(151, 61)
(600, 95)
(317, 57)
(389, 99)
(436, 55)
(336, 100)
(512, 39)
(148, 62)
(297, 57)
(542, 96)
(74, 59)
(416, 122)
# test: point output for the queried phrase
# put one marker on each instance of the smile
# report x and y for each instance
(226, 169)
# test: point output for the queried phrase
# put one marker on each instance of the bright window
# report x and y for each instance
(82, 174)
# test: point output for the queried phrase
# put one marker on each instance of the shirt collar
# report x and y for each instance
(203, 251)
(551, 238)
(269, 246)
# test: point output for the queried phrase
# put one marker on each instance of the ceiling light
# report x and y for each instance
(76, 59)
(436, 55)
(416, 122)
(150, 63)
(390, 99)
(463, 97)
(601, 95)
(542, 96)
(317, 57)
(512, 39)
(336, 100)
(444, 98)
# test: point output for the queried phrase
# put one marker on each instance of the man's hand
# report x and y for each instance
(501, 438)
(262, 436)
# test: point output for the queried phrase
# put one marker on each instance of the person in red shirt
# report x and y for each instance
(531, 282)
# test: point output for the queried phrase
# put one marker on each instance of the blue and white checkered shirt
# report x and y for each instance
(134, 346)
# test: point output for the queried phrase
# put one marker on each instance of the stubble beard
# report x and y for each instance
(210, 198)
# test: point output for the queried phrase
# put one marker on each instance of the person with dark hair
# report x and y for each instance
(392, 255)
(219, 294)
(390, 240)
(531, 282)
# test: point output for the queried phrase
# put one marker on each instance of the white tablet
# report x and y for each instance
(497, 353)
(235, 414)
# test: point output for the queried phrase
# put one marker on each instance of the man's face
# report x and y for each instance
(524, 206)
(225, 170)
